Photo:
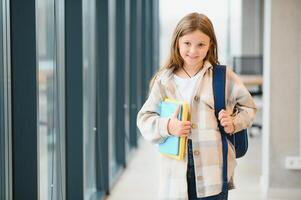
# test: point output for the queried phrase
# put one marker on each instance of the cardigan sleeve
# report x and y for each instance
(151, 126)
(244, 105)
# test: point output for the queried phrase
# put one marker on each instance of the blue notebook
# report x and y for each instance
(173, 146)
(172, 143)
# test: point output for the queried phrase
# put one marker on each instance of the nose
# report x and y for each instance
(192, 50)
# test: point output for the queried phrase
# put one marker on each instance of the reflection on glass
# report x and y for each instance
(89, 98)
(48, 130)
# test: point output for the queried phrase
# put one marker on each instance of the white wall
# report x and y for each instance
(235, 27)
(281, 110)
(251, 28)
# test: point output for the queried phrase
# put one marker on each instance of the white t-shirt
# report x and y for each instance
(186, 86)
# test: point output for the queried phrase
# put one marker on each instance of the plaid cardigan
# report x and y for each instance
(205, 135)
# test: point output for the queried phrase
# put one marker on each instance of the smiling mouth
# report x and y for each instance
(192, 57)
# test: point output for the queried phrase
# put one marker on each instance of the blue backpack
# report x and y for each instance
(239, 139)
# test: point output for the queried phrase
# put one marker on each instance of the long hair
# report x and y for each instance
(190, 23)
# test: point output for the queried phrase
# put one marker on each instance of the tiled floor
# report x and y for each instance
(139, 181)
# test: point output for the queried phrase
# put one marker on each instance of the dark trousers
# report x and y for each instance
(191, 180)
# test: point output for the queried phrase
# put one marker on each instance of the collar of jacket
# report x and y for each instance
(166, 76)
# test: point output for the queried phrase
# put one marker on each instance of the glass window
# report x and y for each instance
(50, 69)
(89, 98)
(5, 107)
(2, 143)
(113, 166)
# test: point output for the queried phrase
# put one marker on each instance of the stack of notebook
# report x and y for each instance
(173, 146)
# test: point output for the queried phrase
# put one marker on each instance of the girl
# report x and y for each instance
(187, 76)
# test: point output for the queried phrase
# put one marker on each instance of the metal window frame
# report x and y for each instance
(74, 99)
(156, 36)
(127, 89)
(2, 112)
(144, 54)
(5, 110)
(24, 99)
(102, 95)
(114, 167)
(120, 88)
(60, 101)
(133, 74)
(139, 58)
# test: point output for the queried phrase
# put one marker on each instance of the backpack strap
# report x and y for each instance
(218, 85)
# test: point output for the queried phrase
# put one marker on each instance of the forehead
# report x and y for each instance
(197, 35)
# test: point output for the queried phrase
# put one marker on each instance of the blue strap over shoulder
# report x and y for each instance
(219, 82)
(239, 139)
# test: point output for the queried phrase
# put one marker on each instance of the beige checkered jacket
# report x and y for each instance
(205, 135)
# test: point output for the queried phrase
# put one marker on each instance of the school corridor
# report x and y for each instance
(74, 74)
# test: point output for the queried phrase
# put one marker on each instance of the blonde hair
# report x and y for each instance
(190, 23)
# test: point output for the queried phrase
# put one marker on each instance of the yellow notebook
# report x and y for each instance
(173, 146)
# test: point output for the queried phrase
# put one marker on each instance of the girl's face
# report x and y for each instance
(193, 48)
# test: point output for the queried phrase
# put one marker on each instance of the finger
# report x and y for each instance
(182, 133)
(222, 111)
(186, 123)
(224, 116)
(225, 120)
(221, 114)
(186, 131)
(187, 127)
(226, 123)
(176, 113)
(229, 131)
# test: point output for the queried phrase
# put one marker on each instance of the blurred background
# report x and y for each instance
(74, 74)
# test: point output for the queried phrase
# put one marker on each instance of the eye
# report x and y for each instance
(201, 45)
(187, 43)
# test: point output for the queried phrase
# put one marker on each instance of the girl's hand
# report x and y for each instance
(226, 121)
(176, 127)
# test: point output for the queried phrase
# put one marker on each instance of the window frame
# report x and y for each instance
(5, 106)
